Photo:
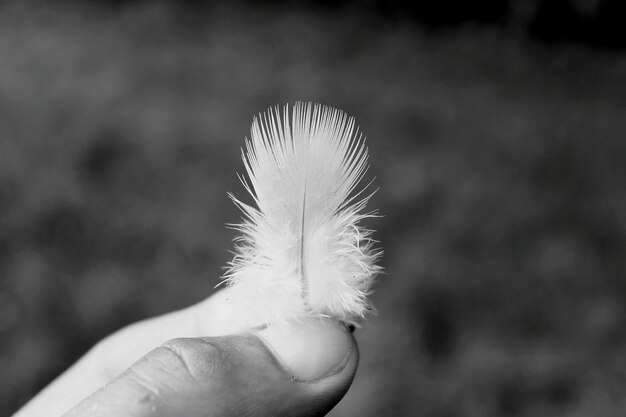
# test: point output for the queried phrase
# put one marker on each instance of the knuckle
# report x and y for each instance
(199, 359)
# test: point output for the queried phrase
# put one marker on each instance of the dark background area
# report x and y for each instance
(496, 131)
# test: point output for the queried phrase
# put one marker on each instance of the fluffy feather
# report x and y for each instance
(302, 251)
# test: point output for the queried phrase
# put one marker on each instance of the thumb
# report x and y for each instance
(299, 369)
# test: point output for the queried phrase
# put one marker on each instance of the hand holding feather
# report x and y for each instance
(302, 256)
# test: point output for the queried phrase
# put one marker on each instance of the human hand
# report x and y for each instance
(296, 369)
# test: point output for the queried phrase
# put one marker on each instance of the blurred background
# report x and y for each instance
(497, 138)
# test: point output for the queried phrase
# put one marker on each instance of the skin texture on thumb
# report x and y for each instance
(297, 369)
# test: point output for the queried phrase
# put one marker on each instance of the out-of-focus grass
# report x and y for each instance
(501, 173)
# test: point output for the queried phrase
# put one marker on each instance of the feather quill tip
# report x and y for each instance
(302, 251)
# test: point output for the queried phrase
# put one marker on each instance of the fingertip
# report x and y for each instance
(320, 356)
(310, 349)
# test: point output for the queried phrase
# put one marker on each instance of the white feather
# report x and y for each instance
(302, 251)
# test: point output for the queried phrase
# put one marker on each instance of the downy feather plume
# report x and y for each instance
(302, 251)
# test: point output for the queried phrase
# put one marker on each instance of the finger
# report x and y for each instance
(297, 369)
(210, 317)
(120, 350)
